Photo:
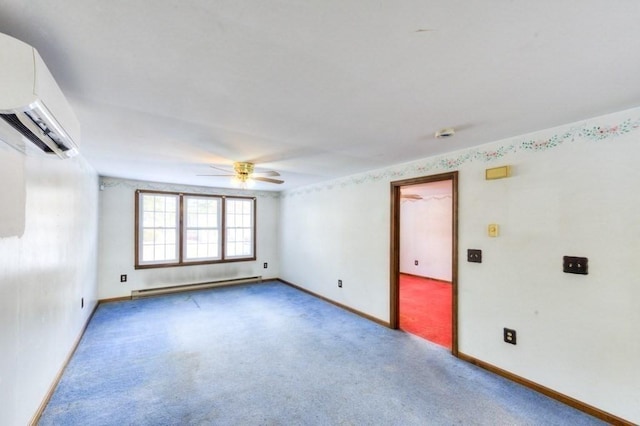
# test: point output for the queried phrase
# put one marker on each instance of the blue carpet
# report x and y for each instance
(268, 354)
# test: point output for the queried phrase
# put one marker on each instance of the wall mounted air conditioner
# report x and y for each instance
(33, 111)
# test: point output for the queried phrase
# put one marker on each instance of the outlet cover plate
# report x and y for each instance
(575, 265)
(474, 255)
(509, 336)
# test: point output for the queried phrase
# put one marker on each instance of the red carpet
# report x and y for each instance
(425, 309)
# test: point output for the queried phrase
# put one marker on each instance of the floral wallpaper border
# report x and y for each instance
(453, 161)
(112, 182)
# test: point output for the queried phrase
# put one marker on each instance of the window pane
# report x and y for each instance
(147, 202)
(147, 236)
(171, 236)
(231, 249)
(147, 219)
(158, 252)
(159, 236)
(158, 220)
(192, 219)
(159, 203)
(171, 252)
(147, 253)
(212, 220)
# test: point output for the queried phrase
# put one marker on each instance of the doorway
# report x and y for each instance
(424, 284)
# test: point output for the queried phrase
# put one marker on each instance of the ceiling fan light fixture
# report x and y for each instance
(244, 175)
(243, 168)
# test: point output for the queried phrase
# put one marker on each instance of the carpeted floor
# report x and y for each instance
(425, 309)
(268, 354)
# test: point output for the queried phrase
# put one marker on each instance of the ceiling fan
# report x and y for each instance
(244, 173)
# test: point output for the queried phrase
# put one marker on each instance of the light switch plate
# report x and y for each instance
(493, 230)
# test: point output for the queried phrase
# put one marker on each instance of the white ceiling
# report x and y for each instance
(323, 89)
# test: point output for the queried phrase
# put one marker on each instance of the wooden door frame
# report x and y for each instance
(394, 320)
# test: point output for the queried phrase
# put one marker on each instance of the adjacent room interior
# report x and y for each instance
(426, 261)
(322, 163)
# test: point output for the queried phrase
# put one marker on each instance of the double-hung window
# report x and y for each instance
(202, 228)
(174, 229)
(239, 226)
(158, 228)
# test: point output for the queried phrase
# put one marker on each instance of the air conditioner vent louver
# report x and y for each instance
(13, 120)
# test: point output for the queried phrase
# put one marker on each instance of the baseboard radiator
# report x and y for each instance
(136, 294)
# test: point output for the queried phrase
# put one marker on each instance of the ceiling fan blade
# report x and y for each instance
(221, 169)
(228, 175)
(269, 180)
(267, 173)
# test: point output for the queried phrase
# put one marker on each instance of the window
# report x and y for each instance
(202, 228)
(159, 228)
(186, 229)
(239, 227)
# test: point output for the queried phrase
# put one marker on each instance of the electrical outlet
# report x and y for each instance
(575, 265)
(123, 278)
(474, 255)
(265, 265)
(340, 283)
(509, 336)
(415, 262)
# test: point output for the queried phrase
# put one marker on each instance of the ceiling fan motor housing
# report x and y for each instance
(243, 170)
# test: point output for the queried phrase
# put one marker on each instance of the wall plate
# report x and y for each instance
(474, 255)
(509, 336)
(575, 265)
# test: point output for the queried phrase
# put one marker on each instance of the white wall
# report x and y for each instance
(117, 246)
(573, 192)
(48, 247)
(426, 228)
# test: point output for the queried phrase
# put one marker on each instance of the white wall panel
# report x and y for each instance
(426, 229)
(47, 266)
(573, 192)
(117, 245)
